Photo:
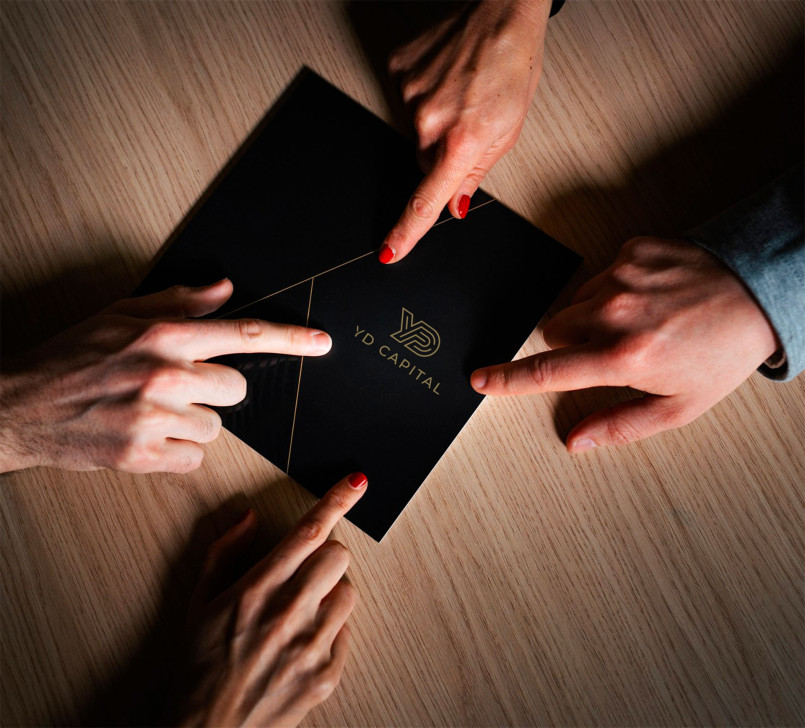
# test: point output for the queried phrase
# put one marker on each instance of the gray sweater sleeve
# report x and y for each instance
(761, 240)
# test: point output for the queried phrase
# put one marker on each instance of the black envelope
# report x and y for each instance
(295, 222)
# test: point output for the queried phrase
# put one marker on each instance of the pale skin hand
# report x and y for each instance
(272, 646)
(667, 318)
(126, 388)
(469, 82)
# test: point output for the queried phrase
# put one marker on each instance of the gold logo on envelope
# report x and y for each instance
(416, 336)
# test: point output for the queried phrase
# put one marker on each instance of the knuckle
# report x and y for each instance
(462, 142)
(116, 333)
(540, 371)
(324, 684)
(125, 459)
(310, 531)
(642, 247)
(176, 296)
(426, 117)
(162, 378)
(309, 656)
(422, 207)
(621, 432)
(408, 92)
(135, 456)
(550, 333)
(635, 351)
(210, 426)
(337, 552)
(157, 333)
(629, 246)
(337, 499)
(627, 272)
(144, 420)
(249, 329)
(398, 59)
(674, 415)
(348, 593)
(297, 337)
(249, 603)
(619, 305)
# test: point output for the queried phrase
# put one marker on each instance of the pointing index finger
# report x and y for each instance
(311, 531)
(424, 207)
(201, 340)
(558, 370)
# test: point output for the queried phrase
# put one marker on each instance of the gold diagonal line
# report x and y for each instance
(477, 207)
(293, 285)
(299, 383)
(335, 267)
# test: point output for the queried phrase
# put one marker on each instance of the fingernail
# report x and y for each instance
(582, 445)
(463, 206)
(386, 254)
(478, 379)
(322, 342)
(358, 480)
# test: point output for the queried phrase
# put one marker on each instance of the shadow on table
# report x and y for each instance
(381, 27)
(139, 693)
(40, 309)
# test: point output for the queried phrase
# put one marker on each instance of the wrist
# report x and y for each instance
(532, 12)
(14, 455)
(517, 28)
(527, 18)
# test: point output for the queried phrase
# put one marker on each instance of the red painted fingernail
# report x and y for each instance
(386, 254)
(358, 480)
(463, 206)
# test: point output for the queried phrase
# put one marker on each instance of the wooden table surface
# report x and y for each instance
(657, 584)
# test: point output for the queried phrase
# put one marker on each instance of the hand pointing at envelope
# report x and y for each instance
(127, 388)
(264, 650)
(662, 319)
(469, 82)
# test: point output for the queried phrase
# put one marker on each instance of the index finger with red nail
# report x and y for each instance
(312, 530)
(425, 206)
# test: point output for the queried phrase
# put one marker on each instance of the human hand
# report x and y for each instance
(125, 389)
(267, 649)
(469, 82)
(667, 318)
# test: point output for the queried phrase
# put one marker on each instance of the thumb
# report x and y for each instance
(177, 302)
(628, 422)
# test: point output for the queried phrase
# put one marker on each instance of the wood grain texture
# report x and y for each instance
(659, 584)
